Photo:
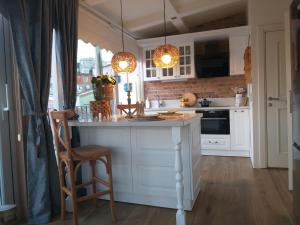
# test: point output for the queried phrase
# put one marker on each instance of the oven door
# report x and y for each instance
(215, 126)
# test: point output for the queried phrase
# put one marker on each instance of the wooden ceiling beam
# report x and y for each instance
(175, 17)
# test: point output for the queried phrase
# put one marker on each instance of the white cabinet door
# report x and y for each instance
(149, 68)
(184, 69)
(237, 46)
(240, 129)
(186, 63)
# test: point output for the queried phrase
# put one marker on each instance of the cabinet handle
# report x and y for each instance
(216, 142)
(209, 142)
(242, 111)
(235, 111)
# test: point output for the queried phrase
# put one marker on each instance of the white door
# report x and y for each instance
(277, 139)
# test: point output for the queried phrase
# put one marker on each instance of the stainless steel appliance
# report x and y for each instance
(295, 103)
(215, 122)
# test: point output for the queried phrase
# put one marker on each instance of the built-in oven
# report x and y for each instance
(215, 122)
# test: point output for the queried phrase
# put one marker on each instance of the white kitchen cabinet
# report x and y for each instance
(186, 61)
(215, 142)
(183, 70)
(150, 70)
(237, 46)
(240, 130)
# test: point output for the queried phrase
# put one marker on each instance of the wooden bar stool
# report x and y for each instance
(66, 155)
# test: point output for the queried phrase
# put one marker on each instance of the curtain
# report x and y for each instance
(32, 25)
(66, 27)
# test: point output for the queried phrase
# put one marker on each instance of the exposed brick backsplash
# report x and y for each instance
(216, 87)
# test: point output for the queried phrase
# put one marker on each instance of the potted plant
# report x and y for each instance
(103, 86)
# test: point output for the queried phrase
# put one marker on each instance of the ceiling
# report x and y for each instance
(144, 18)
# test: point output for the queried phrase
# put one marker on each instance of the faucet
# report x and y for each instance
(159, 102)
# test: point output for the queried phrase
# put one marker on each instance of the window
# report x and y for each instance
(91, 61)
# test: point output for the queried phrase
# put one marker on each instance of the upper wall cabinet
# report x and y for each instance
(183, 70)
(150, 70)
(238, 41)
(237, 46)
(186, 61)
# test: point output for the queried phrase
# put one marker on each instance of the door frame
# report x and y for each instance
(287, 32)
(261, 154)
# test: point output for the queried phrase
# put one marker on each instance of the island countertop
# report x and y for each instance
(119, 121)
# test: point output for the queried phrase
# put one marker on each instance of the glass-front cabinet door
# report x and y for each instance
(184, 69)
(186, 61)
(150, 70)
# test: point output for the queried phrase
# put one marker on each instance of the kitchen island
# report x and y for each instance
(154, 163)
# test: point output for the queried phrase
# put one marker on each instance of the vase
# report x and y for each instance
(238, 100)
(108, 91)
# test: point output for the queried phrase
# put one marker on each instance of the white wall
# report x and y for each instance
(261, 13)
(92, 29)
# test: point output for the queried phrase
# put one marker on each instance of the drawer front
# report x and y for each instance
(215, 142)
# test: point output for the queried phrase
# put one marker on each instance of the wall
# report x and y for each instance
(261, 13)
(92, 29)
(218, 87)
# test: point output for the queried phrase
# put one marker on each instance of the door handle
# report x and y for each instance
(6, 109)
(296, 146)
(273, 99)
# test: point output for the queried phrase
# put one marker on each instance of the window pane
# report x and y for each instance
(147, 54)
(187, 60)
(165, 72)
(181, 50)
(187, 50)
(86, 69)
(188, 70)
(148, 73)
(182, 70)
(181, 61)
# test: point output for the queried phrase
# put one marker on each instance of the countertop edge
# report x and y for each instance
(125, 123)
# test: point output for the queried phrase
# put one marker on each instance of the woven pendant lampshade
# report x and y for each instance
(123, 62)
(166, 56)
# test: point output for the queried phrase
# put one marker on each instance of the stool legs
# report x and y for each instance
(73, 193)
(62, 193)
(111, 193)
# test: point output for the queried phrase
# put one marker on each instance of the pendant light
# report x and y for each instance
(123, 62)
(166, 56)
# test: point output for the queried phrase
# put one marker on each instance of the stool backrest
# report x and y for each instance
(59, 123)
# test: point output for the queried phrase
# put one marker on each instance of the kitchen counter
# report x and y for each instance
(154, 163)
(195, 108)
(119, 121)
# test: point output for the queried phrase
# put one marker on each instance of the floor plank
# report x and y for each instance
(232, 194)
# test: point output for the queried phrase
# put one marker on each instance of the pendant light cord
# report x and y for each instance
(122, 25)
(165, 24)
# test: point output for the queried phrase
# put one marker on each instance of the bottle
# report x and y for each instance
(147, 103)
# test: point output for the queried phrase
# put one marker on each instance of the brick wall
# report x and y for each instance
(217, 87)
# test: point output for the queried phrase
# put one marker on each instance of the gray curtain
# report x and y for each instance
(66, 31)
(32, 24)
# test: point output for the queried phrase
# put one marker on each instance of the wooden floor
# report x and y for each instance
(232, 194)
